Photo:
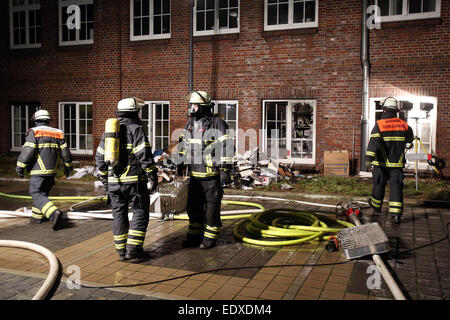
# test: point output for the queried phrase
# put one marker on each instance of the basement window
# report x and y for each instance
(25, 24)
(216, 17)
(70, 12)
(398, 10)
(290, 14)
(156, 123)
(76, 122)
(289, 130)
(149, 19)
(21, 113)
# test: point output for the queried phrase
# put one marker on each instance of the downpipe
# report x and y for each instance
(365, 94)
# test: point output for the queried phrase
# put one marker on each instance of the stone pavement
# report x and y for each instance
(87, 246)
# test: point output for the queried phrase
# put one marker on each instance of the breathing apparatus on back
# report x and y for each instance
(112, 133)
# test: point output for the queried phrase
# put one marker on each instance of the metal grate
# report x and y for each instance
(173, 196)
(363, 240)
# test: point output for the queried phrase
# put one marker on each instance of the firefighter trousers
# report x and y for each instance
(203, 208)
(40, 187)
(380, 177)
(129, 235)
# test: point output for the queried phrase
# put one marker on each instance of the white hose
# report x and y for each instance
(53, 261)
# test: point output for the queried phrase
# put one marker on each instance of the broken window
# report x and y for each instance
(289, 130)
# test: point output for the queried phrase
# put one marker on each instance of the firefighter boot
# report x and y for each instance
(396, 218)
(121, 253)
(55, 219)
(136, 253)
(208, 243)
(36, 220)
(191, 241)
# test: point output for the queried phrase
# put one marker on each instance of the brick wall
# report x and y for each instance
(319, 63)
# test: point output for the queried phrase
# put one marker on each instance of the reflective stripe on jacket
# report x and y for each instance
(42, 149)
(206, 146)
(387, 141)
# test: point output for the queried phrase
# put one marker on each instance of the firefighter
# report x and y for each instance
(40, 155)
(206, 148)
(386, 153)
(129, 181)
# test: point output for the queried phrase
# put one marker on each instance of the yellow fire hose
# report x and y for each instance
(286, 227)
(62, 198)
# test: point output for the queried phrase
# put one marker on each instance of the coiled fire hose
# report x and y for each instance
(282, 227)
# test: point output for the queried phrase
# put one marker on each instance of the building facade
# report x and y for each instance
(285, 74)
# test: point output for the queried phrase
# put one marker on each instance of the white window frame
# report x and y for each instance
(216, 22)
(152, 113)
(236, 131)
(405, 16)
(28, 115)
(415, 100)
(62, 3)
(26, 7)
(76, 151)
(290, 104)
(290, 24)
(151, 35)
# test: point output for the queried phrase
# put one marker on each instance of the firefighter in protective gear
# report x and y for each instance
(386, 153)
(125, 181)
(40, 156)
(207, 148)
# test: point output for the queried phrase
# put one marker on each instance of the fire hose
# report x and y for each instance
(53, 261)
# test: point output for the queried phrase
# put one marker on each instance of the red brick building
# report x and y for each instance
(289, 65)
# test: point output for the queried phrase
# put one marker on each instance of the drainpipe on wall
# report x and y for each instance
(191, 46)
(365, 93)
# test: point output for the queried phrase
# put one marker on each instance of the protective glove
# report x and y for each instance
(225, 178)
(20, 172)
(105, 184)
(368, 166)
(68, 170)
(152, 181)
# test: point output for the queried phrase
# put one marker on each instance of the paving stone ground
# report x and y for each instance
(423, 274)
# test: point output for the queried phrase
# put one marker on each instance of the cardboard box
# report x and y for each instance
(336, 163)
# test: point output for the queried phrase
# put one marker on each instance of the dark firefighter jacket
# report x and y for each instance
(387, 141)
(206, 146)
(135, 155)
(42, 149)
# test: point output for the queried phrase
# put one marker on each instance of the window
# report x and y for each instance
(290, 14)
(21, 114)
(420, 114)
(25, 24)
(228, 110)
(155, 118)
(216, 17)
(149, 19)
(289, 130)
(395, 10)
(76, 122)
(69, 33)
